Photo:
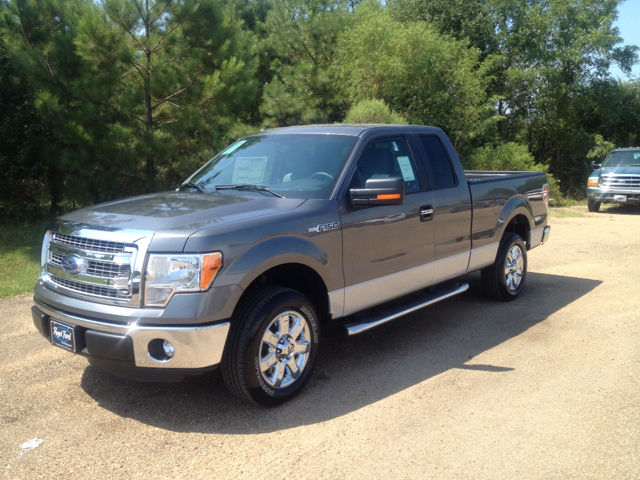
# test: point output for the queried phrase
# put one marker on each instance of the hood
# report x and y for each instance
(174, 216)
(620, 171)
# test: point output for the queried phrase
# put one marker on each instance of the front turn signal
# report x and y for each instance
(211, 263)
(592, 182)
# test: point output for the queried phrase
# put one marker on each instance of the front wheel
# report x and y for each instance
(504, 280)
(593, 206)
(272, 347)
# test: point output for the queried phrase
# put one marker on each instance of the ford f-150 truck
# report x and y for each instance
(616, 180)
(281, 232)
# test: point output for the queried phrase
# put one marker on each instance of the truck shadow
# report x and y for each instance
(623, 210)
(351, 373)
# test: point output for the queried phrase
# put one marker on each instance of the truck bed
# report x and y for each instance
(490, 192)
(478, 176)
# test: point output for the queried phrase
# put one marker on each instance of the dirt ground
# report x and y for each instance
(543, 387)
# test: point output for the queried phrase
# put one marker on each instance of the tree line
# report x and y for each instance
(102, 99)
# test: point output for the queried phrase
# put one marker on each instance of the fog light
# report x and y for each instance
(161, 350)
(168, 349)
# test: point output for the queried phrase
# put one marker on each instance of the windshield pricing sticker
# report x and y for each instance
(249, 170)
(406, 169)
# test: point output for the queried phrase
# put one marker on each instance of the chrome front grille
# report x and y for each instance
(88, 243)
(98, 265)
(84, 288)
(618, 181)
(98, 269)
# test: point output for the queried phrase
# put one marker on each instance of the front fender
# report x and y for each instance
(279, 250)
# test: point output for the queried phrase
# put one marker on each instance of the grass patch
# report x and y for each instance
(562, 212)
(567, 202)
(20, 257)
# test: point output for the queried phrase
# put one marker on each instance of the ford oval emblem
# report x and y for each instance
(73, 265)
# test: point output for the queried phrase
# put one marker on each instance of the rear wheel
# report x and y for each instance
(504, 280)
(272, 347)
(593, 205)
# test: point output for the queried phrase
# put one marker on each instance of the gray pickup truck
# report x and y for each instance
(616, 180)
(281, 232)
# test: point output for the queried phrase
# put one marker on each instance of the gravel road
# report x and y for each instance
(543, 387)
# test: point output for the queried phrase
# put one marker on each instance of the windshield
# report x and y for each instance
(294, 165)
(622, 159)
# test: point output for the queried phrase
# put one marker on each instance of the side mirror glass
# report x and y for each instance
(379, 191)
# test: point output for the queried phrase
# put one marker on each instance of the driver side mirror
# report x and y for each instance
(379, 191)
(595, 166)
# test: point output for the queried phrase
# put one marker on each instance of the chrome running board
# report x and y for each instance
(372, 320)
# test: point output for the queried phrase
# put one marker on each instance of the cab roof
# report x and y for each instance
(352, 129)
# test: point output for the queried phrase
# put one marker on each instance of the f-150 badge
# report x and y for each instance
(324, 227)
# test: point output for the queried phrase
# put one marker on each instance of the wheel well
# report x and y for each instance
(297, 277)
(520, 225)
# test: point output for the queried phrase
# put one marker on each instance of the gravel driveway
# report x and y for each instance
(543, 387)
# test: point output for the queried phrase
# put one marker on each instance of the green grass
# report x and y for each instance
(567, 202)
(20, 257)
(560, 212)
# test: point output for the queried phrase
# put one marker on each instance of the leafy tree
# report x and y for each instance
(541, 56)
(510, 157)
(573, 45)
(611, 109)
(373, 111)
(424, 77)
(506, 157)
(601, 149)
(462, 19)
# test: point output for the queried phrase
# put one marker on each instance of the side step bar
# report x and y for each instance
(372, 320)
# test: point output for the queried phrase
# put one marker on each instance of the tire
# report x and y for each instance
(593, 205)
(262, 364)
(505, 279)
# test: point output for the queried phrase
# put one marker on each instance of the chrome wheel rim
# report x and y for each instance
(284, 349)
(514, 268)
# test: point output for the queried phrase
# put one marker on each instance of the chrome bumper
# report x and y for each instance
(546, 235)
(195, 347)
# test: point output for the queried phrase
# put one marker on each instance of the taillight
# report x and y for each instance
(545, 195)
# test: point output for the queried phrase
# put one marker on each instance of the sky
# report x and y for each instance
(627, 23)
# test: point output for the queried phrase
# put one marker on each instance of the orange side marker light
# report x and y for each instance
(210, 265)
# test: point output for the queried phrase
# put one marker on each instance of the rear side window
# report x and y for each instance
(440, 165)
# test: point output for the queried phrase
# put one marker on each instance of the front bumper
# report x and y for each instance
(611, 196)
(124, 348)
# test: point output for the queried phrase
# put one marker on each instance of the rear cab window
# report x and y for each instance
(438, 162)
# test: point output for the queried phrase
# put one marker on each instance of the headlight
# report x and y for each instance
(44, 255)
(592, 182)
(170, 274)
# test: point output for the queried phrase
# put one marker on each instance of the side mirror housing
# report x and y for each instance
(595, 166)
(379, 191)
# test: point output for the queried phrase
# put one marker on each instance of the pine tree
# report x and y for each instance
(300, 38)
(177, 72)
(22, 132)
(40, 39)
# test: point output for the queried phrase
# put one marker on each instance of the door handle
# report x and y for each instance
(426, 213)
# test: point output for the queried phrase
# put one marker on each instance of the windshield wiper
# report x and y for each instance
(248, 187)
(192, 185)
